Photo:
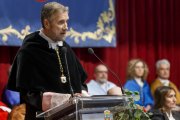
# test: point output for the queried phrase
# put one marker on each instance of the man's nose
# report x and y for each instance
(65, 27)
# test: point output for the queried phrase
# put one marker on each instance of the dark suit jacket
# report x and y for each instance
(158, 115)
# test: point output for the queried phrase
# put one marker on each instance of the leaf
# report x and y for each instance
(137, 113)
(136, 93)
(136, 97)
(127, 92)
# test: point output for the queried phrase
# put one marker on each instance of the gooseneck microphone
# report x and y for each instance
(64, 51)
(91, 51)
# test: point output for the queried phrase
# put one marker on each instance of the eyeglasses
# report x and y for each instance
(101, 71)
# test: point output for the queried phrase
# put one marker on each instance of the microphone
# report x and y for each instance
(64, 51)
(91, 51)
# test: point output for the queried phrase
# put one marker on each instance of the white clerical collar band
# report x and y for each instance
(51, 43)
(165, 82)
(55, 44)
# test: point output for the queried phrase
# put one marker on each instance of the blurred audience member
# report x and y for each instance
(101, 85)
(17, 113)
(11, 98)
(163, 74)
(4, 111)
(3, 83)
(137, 72)
(165, 102)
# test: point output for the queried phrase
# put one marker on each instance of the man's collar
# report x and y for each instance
(51, 43)
(164, 81)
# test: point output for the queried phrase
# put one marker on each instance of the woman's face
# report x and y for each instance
(170, 100)
(139, 69)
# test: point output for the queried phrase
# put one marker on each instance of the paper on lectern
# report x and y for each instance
(59, 99)
(51, 99)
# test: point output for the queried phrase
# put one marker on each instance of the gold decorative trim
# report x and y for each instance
(105, 29)
(10, 30)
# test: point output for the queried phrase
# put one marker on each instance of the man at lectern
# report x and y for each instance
(45, 64)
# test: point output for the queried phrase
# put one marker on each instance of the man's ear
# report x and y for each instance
(46, 24)
(157, 71)
(94, 75)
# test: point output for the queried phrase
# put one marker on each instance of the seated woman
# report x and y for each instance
(137, 72)
(165, 102)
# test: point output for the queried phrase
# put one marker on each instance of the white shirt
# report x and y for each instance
(165, 82)
(51, 43)
(170, 117)
(95, 88)
(139, 82)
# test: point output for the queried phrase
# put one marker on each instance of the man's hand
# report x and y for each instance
(85, 93)
(82, 94)
(147, 108)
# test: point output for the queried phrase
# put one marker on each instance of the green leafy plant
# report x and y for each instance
(131, 111)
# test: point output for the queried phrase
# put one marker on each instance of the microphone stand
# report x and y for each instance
(64, 49)
(91, 51)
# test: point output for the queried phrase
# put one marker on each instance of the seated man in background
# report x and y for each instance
(101, 85)
(163, 73)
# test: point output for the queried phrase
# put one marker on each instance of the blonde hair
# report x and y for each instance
(51, 8)
(131, 69)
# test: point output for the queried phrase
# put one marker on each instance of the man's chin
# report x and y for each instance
(102, 81)
(165, 77)
(61, 39)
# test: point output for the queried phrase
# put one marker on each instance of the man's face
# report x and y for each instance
(101, 74)
(163, 71)
(56, 26)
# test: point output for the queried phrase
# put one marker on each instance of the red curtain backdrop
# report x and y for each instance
(146, 29)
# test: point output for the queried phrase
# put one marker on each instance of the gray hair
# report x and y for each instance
(162, 61)
(51, 8)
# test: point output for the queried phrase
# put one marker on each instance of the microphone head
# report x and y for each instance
(90, 50)
(64, 50)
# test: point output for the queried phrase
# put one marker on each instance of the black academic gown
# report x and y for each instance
(36, 70)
